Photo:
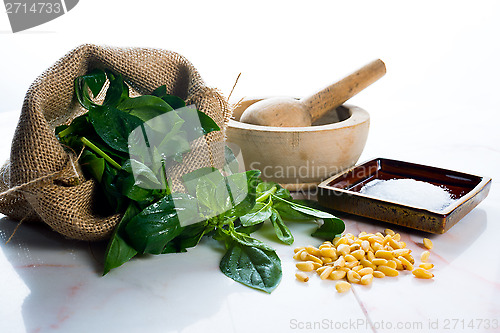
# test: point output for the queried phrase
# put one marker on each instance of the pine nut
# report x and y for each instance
(367, 263)
(343, 249)
(321, 269)
(305, 266)
(314, 258)
(391, 263)
(384, 254)
(426, 265)
(370, 256)
(389, 232)
(376, 239)
(328, 252)
(386, 240)
(394, 244)
(409, 258)
(326, 245)
(427, 243)
(312, 250)
(422, 273)
(406, 264)
(403, 244)
(425, 256)
(357, 268)
(303, 254)
(297, 255)
(378, 274)
(379, 234)
(377, 246)
(326, 260)
(353, 277)
(351, 264)
(335, 241)
(350, 257)
(399, 265)
(337, 274)
(365, 236)
(339, 263)
(342, 286)
(297, 249)
(316, 265)
(366, 270)
(388, 270)
(362, 233)
(367, 279)
(365, 245)
(355, 246)
(342, 240)
(358, 254)
(379, 261)
(326, 273)
(396, 237)
(302, 277)
(401, 252)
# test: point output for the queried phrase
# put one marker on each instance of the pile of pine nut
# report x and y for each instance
(350, 259)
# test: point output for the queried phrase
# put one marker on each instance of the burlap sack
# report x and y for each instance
(43, 182)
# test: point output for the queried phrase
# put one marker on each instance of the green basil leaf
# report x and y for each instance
(331, 228)
(127, 186)
(281, 230)
(305, 210)
(95, 80)
(160, 91)
(144, 176)
(113, 126)
(190, 237)
(247, 240)
(252, 266)
(259, 213)
(158, 224)
(263, 187)
(288, 213)
(144, 107)
(174, 101)
(118, 250)
(196, 123)
(93, 164)
(242, 189)
(117, 90)
(211, 191)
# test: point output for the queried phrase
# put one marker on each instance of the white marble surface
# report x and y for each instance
(437, 105)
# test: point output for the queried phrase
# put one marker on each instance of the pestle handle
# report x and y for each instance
(336, 94)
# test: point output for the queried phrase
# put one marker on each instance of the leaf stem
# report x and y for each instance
(65, 132)
(267, 194)
(99, 152)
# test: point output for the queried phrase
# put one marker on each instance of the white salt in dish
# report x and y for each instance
(409, 192)
(342, 192)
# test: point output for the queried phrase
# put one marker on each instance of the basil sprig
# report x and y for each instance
(127, 144)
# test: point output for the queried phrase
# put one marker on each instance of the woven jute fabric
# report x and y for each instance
(42, 181)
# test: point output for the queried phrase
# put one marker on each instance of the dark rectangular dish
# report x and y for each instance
(342, 192)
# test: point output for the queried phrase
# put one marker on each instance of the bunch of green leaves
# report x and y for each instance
(128, 143)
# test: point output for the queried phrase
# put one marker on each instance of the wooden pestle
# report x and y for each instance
(291, 112)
